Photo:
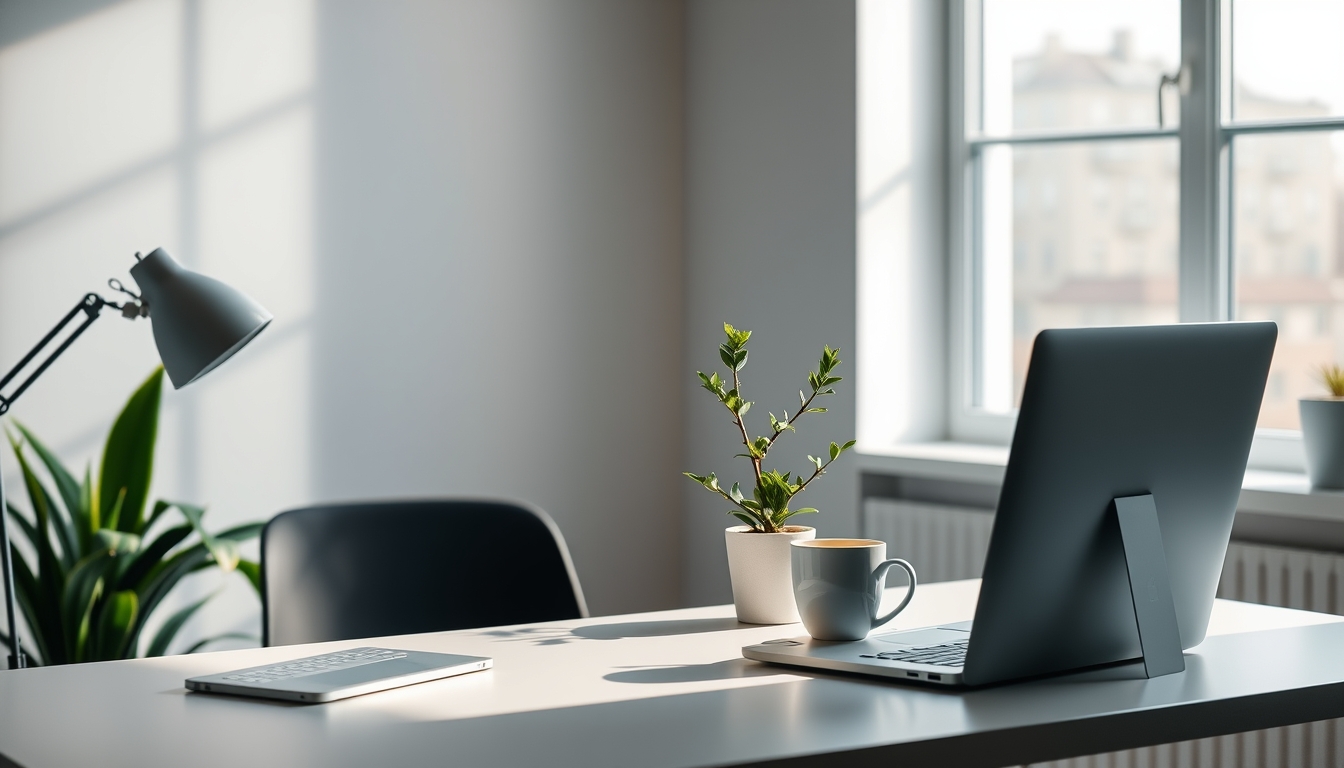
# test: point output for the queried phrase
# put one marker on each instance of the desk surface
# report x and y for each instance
(671, 689)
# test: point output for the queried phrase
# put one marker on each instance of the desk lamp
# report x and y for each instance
(198, 323)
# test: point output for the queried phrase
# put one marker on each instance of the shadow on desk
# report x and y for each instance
(549, 635)
(694, 673)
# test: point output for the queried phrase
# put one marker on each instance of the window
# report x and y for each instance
(1151, 161)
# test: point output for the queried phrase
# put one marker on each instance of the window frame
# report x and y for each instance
(1206, 271)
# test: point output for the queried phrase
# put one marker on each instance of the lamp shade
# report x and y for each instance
(198, 321)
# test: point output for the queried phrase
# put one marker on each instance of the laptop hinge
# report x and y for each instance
(1150, 586)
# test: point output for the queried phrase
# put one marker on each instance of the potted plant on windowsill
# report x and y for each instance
(1323, 430)
(758, 550)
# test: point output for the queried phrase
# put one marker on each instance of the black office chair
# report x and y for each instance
(345, 571)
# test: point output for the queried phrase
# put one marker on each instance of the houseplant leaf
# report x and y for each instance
(82, 591)
(151, 555)
(224, 551)
(114, 625)
(67, 488)
(164, 637)
(49, 518)
(128, 455)
(37, 614)
(252, 571)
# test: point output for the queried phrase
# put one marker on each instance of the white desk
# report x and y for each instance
(671, 689)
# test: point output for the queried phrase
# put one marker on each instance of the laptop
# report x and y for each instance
(339, 675)
(1106, 413)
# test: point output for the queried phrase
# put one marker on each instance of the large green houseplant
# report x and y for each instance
(100, 566)
(758, 550)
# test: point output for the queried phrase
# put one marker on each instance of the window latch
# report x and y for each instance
(1181, 79)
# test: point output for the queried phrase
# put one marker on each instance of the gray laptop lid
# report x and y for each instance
(1107, 413)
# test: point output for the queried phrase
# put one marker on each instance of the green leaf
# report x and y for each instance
(164, 576)
(86, 502)
(42, 617)
(726, 355)
(160, 507)
(128, 455)
(805, 511)
(140, 565)
(51, 571)
(49, 516)
(736, 493)
(848, 445)
(224, 551)
(114, 513)
(79, 599)
(243, 532)
(164, 637)
(815, 410)
(740, 360)
(745, 518)
(835, 451)
(116, 541)
(816, 462)
(69, 490)
(252, 571)
(743, 407)
(115, 625)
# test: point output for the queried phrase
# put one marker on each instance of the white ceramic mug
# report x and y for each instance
(838, 583)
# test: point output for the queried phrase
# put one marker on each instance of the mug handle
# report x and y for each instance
(880, 578)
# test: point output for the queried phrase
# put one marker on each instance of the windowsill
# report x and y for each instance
(1272, 493)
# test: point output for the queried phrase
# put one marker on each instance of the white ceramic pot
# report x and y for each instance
(1323, 439)
(760, 565)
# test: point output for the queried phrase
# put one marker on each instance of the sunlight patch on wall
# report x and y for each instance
(256, 214)
(254, 53)
(86, 100)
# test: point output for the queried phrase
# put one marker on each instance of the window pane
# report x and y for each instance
(1289, 254)
(1077, 64)
(1287, 59)
(1078, 234)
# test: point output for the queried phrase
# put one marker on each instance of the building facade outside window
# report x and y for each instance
(1072, 122)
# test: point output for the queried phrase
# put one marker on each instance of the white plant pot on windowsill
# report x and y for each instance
(1323, 439)
(760, 566)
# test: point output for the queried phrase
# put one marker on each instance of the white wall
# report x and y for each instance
(465, 216)
(770, 244)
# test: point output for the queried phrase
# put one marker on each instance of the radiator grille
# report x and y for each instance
(947, 543)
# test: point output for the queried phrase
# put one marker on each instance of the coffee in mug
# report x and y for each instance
(838, 583)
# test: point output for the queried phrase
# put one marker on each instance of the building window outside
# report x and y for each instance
(1066, 158)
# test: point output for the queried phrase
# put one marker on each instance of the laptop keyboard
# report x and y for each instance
(951, 654)
(313, 665)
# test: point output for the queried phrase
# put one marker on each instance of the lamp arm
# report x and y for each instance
(90, 306)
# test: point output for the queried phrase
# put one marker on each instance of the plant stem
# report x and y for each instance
(742, 427)
(789, 423)
(818, 473)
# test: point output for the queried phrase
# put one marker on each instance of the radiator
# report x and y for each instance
(947, 543)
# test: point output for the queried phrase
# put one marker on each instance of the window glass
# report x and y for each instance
(1093, 231)
(1077, 64)
(1289, 249)
(1287, 61)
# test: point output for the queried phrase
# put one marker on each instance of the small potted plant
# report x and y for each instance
(758, 550)
(1323, 430)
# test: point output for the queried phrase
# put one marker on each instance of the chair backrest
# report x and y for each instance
(346, 571)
